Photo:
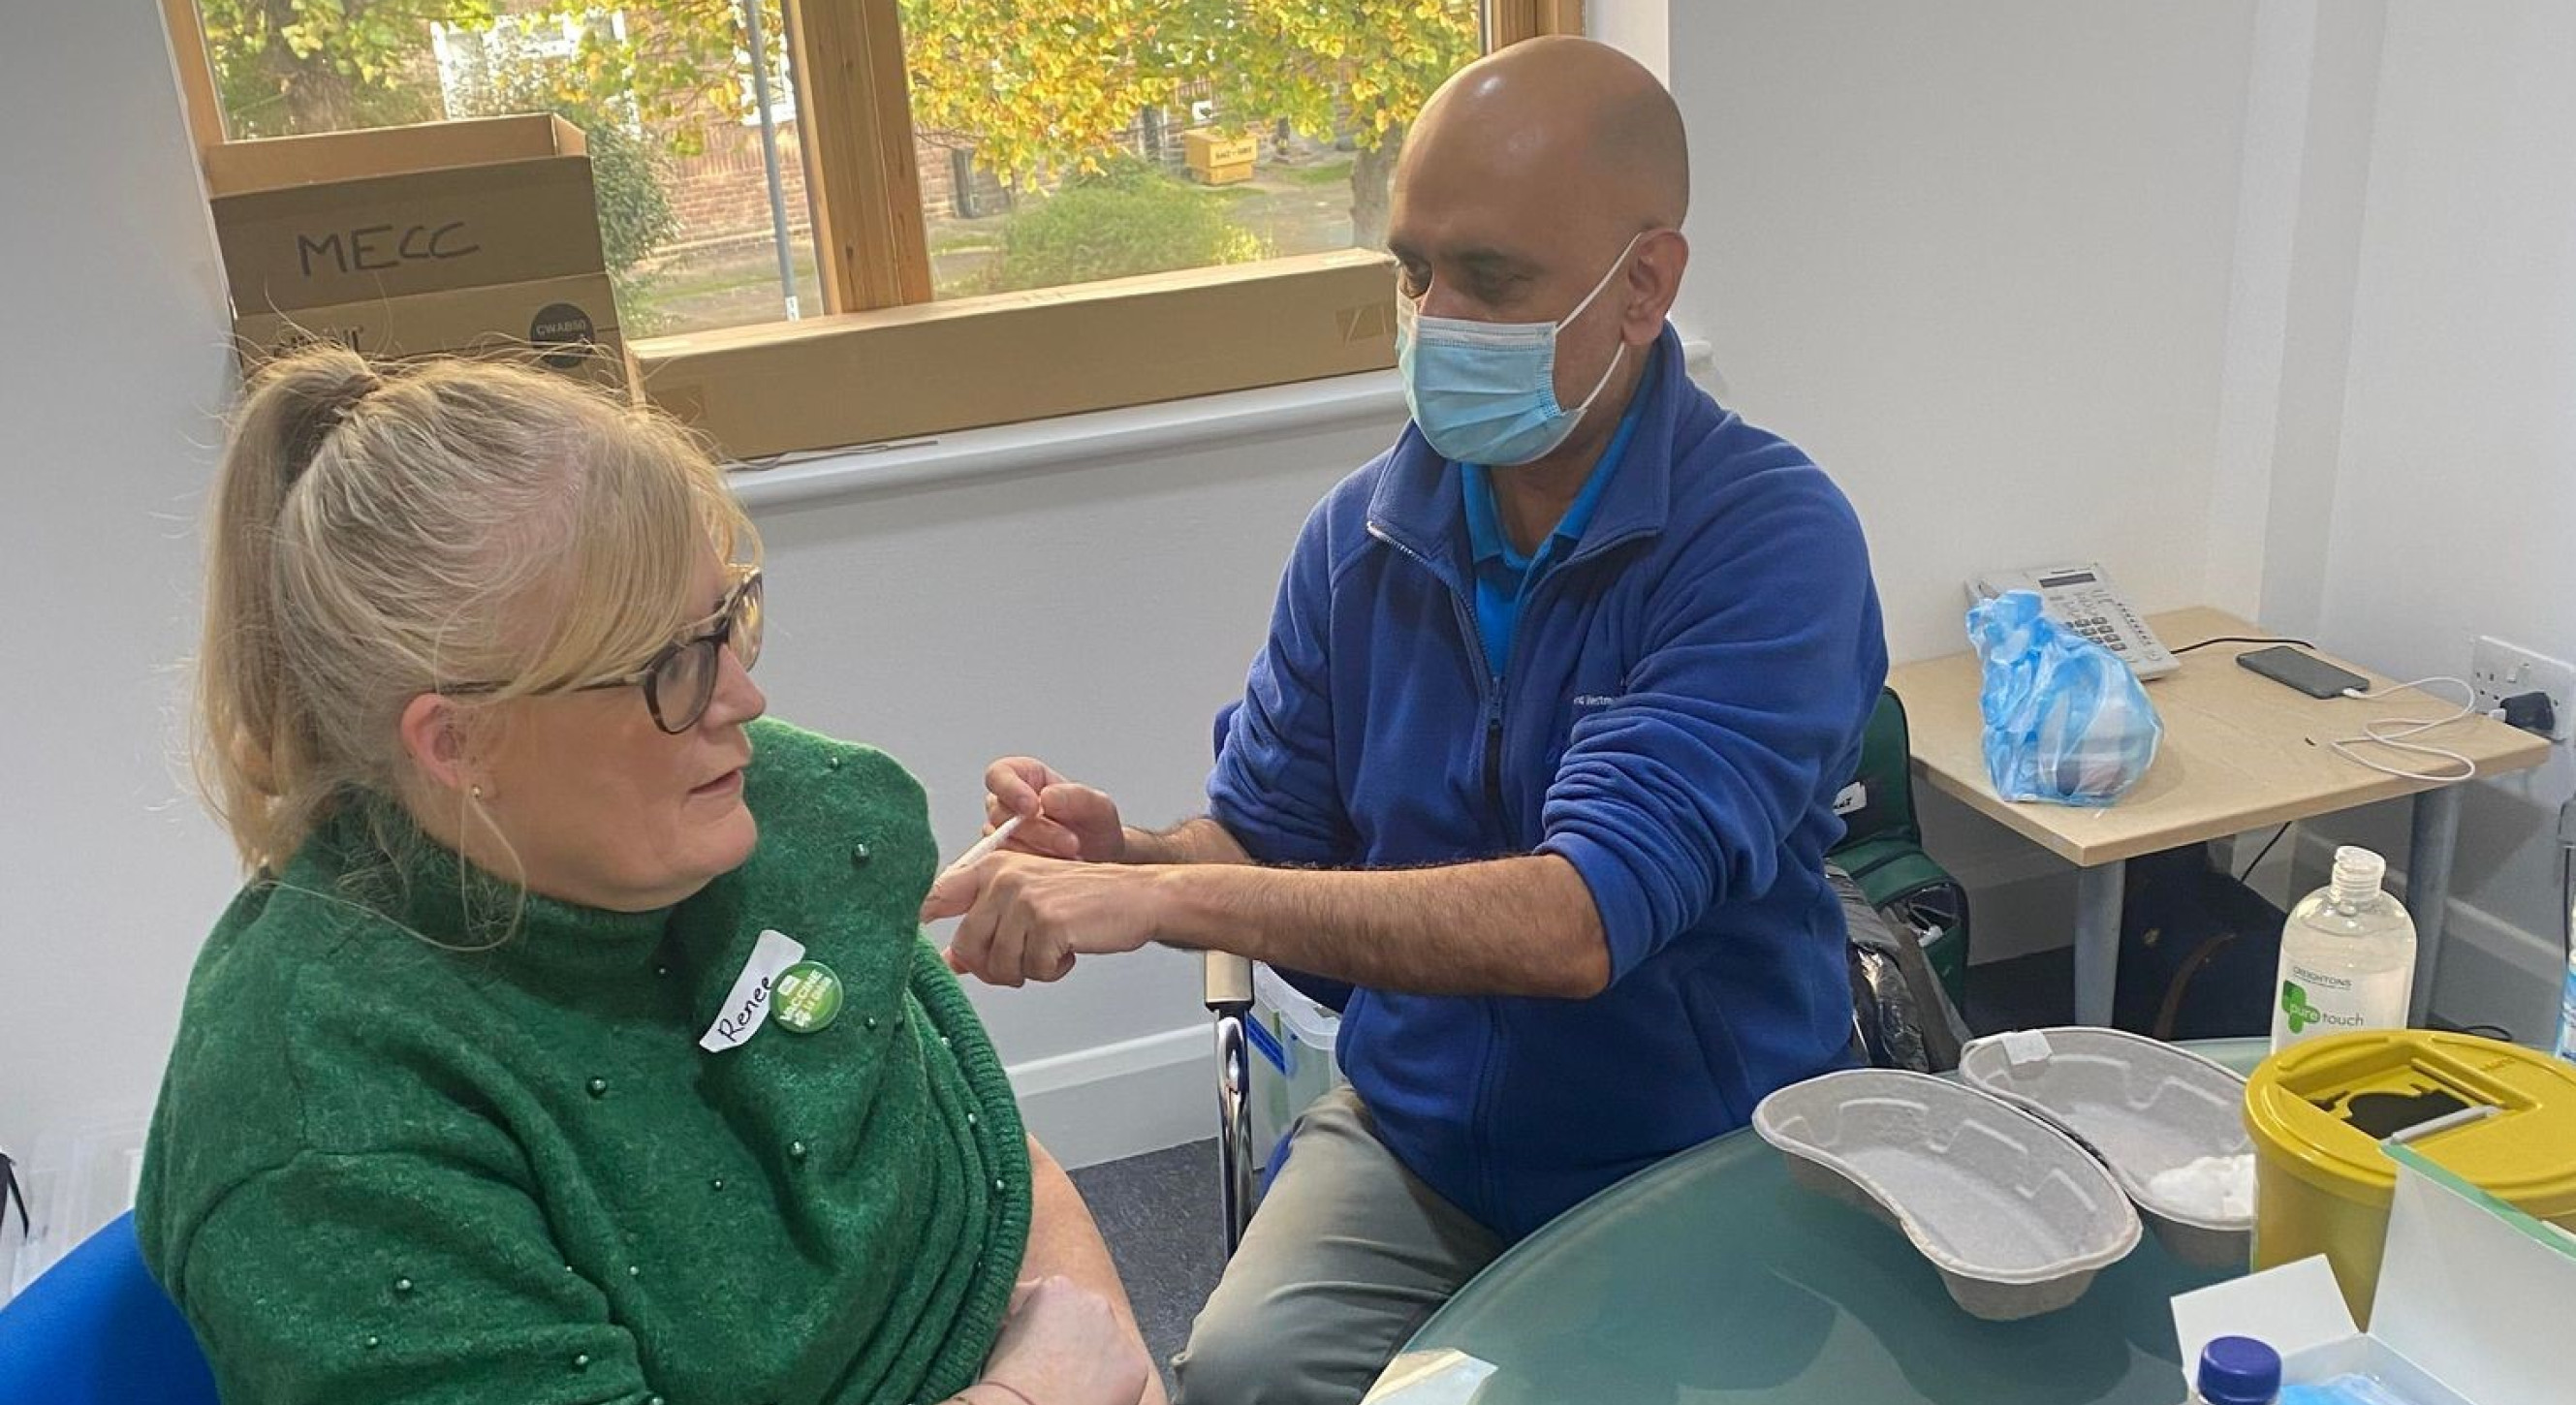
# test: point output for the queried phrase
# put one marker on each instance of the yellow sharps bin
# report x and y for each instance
(2497, 1115)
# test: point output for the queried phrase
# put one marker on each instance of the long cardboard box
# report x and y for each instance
(564, 324)
(233, 167)
(857, 378)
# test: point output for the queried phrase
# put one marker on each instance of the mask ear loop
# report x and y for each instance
(1588, 299)
(1602, 286)
(1601, 384)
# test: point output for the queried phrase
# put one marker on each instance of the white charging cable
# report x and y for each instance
(2377, 733)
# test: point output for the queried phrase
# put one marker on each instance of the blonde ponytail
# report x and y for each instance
(255, 749)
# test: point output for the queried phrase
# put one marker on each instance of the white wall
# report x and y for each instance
(2452, 507)
(2305, 173)
(1974, 258)
(1640, 28)
(109, 380)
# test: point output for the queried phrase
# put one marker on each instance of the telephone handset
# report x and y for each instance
(2082, 598)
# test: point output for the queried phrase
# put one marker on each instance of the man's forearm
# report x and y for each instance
(1518, 926)
(1197, 840)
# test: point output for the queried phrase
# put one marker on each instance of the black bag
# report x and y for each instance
(1900, 1013)
(2199, 951)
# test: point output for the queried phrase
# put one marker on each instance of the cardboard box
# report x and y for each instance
(449, 237)
(857, 378)
(2472, 1297)
(563, 324)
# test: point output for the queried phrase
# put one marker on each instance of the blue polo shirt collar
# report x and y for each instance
(1503, 575)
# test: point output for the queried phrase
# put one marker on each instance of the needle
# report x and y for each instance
(985, 845)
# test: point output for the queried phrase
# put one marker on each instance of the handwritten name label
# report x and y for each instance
(746, 1006)
(738, 1025)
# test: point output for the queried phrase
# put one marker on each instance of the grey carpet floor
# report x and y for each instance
(1159, 1213)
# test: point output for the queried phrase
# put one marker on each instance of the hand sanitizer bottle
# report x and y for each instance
(2347, 956)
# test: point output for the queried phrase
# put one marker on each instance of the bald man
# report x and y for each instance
(1539, 759)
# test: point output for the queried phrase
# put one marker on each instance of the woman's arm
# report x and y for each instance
(1065, 1242)
(1063, 1345)
(391, 1275)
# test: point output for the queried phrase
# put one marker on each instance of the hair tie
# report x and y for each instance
(327, 417)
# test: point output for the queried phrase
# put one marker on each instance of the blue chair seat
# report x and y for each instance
(95, 1329)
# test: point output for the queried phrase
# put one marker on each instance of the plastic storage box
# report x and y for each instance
(1292, 1065)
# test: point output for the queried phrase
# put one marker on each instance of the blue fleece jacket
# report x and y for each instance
(1685, 693)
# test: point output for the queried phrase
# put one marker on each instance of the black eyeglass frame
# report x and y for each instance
(742, 603)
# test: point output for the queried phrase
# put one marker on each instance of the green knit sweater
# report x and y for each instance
(386, 1171)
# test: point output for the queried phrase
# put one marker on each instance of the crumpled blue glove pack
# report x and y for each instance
(2066, 721)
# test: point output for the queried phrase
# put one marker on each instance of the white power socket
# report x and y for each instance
(2499, 669)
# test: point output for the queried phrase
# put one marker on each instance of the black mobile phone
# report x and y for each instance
(2304, 671)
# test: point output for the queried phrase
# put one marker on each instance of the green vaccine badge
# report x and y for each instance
(806, 998)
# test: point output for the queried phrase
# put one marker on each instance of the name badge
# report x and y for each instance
(746, 1006)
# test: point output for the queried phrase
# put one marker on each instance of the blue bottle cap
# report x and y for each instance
(2239, 1371)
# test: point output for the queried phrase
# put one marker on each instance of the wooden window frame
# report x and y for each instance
(854, 97)
(196, 68)
(854, 103)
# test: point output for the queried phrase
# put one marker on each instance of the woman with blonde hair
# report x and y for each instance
(573, 1038)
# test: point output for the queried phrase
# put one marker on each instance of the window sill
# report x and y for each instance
(1074, 441)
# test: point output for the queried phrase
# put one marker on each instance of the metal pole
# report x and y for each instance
(2428, 888)
(2098, 893)
(787, 37)
(769, 155)
(1237, 1181)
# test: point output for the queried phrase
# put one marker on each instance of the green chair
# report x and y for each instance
(1882, 850)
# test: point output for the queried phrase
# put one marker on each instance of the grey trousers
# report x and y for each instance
(1348, 1256)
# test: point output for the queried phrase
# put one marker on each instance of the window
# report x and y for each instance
(758, 164)
(1140, 138)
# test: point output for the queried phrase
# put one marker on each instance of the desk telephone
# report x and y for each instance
(2082, 598)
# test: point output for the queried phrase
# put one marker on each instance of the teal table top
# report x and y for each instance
(1710, 1277)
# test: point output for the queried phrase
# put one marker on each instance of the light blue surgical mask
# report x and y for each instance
(1485, 392)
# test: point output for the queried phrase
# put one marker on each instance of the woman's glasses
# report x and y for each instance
(680, 681)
